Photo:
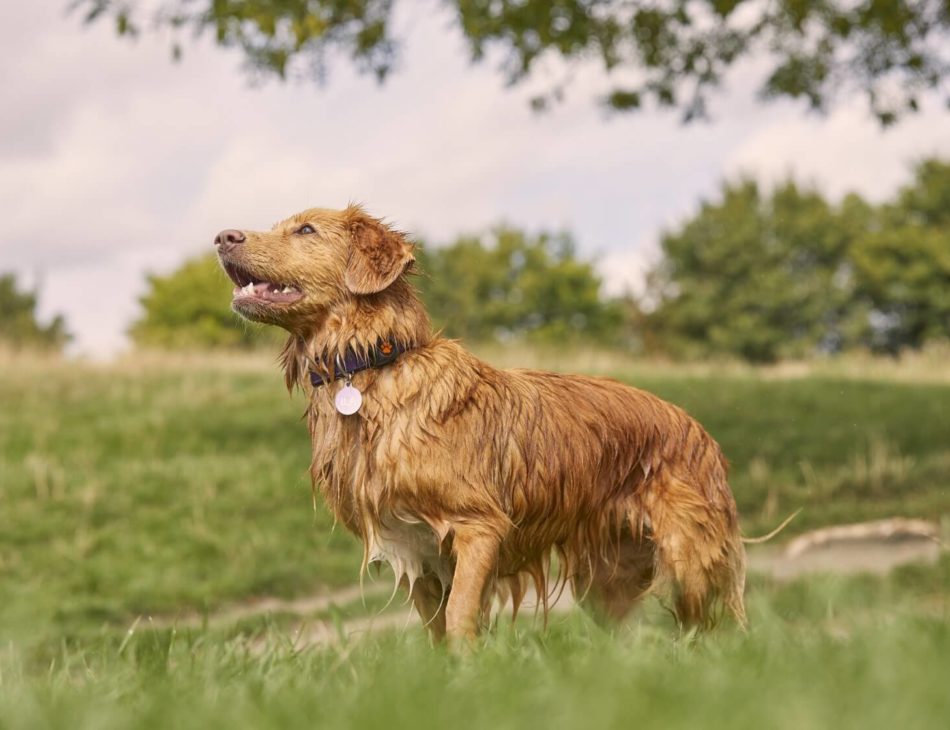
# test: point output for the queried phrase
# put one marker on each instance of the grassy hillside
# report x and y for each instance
(137, 496)
(160, 485)
(843, 450)
(146, 489)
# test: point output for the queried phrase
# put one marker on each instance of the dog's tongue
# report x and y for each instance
(259, 288)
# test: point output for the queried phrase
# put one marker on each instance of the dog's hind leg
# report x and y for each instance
(430, 598)
(612, 583)
(699, 550)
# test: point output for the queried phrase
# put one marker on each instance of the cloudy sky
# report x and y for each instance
(115, 161)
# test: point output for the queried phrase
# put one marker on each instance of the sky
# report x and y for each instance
(115, 161)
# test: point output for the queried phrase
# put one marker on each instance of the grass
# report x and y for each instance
(844, 450)
(855, 652)
(127, 492)
(145, 488)
(176, 486)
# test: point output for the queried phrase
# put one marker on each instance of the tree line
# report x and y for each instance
(756, 273)
(765, 275)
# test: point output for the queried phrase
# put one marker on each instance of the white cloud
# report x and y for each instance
(100, 299)
(624, 271)
(847, 151)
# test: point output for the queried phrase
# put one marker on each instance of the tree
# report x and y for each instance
(669, 52)
(510, 285)
(188, 308)
(19, 327)
(766, 276)
(902, 264)
(755, 275)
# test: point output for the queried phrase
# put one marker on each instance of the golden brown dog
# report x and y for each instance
(466, 478)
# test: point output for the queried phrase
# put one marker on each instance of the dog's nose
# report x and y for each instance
(227, 240)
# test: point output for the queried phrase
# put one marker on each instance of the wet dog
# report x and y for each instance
(467, 479)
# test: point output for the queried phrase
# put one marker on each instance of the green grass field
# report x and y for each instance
(171, 488)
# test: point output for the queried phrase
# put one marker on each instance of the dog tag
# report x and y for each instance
(348, 400)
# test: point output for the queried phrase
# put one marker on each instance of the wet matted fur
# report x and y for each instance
(467, 478)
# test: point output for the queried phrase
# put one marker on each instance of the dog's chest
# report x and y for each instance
(366, 474)
(411, 548)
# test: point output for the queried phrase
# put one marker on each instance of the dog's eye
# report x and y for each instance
(306, 229)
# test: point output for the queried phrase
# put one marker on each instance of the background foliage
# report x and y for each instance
(766, 275)
(672, 53)
(512, 285)
(19, 326)
(506, 285)
(189, 308)
(756, 274)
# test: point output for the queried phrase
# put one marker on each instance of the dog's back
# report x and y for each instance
(626, 488)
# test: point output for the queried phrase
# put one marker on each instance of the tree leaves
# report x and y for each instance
(511, 285)
(893, 52)
(19, 327)
(189, 309)
(787, 274)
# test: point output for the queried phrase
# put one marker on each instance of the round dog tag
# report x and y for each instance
(348, 400)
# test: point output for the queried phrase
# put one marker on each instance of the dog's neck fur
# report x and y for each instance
(395, 314)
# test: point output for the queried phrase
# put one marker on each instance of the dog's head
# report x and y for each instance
(309, 263)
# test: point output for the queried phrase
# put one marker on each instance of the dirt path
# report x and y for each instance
(303, 606)
(874, 547)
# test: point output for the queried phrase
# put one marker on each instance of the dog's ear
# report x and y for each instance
(378, 255)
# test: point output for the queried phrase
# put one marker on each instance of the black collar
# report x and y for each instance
(382, 353)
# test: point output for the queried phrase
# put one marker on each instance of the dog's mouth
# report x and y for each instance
(252, 288)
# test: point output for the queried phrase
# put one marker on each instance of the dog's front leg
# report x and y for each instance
(476, 555)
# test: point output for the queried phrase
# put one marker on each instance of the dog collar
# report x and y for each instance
(382, 353)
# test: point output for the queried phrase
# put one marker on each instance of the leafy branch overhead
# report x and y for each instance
(670, 53)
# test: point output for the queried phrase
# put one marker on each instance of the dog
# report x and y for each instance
(468, 479)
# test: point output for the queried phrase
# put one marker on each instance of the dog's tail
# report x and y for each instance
(773, 533)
